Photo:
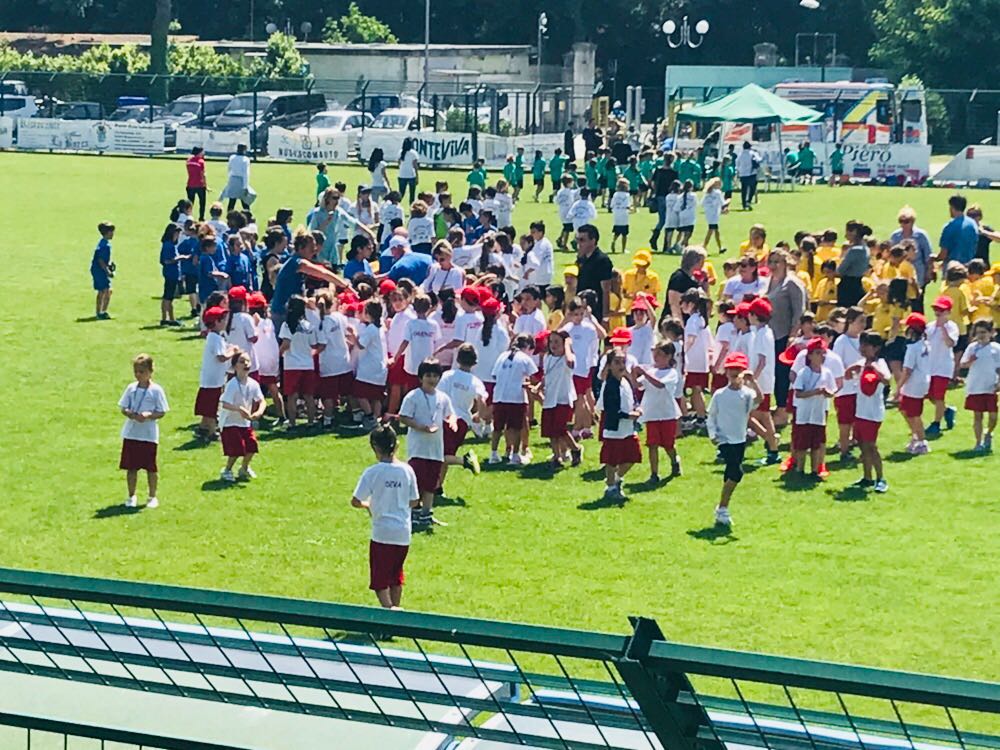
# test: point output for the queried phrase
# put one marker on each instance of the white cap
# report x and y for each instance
(398, 241)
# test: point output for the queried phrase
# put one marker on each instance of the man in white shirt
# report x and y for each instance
(747, 164)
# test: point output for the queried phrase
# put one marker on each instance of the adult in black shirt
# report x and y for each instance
(986, 233)
(594, 268)
(593, 137)
(662, 178)
(569, 145)
(682, 280)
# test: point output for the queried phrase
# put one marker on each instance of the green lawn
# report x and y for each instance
(901, 580)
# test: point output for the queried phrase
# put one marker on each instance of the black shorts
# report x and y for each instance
(189, 284)
(962, 344)
(539, 181)
(555, 184)
(727, 194)
(602, 182)
(568, 226)
(895, 350)
(518, 184)
(171, 289)
(634, 192)
(838, 172)
(686, 228)
(713, 227)
(643, 189)
(732, 454)
(620, 230)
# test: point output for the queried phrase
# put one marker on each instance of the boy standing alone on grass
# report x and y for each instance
(143, 403)
(102, 270)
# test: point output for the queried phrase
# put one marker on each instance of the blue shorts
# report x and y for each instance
(101, 281)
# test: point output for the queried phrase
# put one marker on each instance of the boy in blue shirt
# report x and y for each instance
(211, 268)
(237, 265)
(102, 270)
(170, 262)
(191, 248)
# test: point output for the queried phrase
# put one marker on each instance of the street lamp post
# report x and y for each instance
(427, 41)
(684, 33)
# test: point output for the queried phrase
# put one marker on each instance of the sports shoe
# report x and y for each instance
(131, 502)
(586, 434)
(164, 323)
(654, 479)
(988, 442)
(152, 503)
(611, 492)
(576, 456)
(419, 518)
(527, 456)
(922, 448)
(722, 517)
(949, 416)
(247, 473)
(327, 422)
(516, 459)
(494, 459)
(788, 464)
(862, 484)
(770, 459)
(103, 316)
(911, 447)
(881, 486)
(822, 472)
(175, 324)
(227, 476)
(933, 429)
(471, 462)
(675, 468)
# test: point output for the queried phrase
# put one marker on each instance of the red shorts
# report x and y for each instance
(765, 403)
(453, 439)
(368, 391)
(555, 421)
(790, 401)
(866, 431)
(719, 380)
(489, 392)
(238, 441)
(509, 416)
(982, 402)
(618, 451)
(385, 565)
(207, 403)
(808, 437)
(582, 384)
(335, 387)
(910, 406)
(938, 388)
(138, 455)
(428, 473)
(266, 381)
(845, 406)
(661, 433)
(302, 382)
(696, 380)
(399, 376)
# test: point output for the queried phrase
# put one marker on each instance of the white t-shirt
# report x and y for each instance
(724, 334)
(238, 394)
(466, 256)
(670, 201)
(687, 209)
(711, 206)
(586, 346)
(872, 407)
(510, 373)
(408, 164)
(299, 353)
(139, 400)
(583, 211)
(741, 341)
(422, 336)
(831, 362)
(532, 324)
(736, 288)
(849, 351)
(241, 330)
(557, 381)
(335, 359)
(643, 341)
(565, 198)
(239, 166)
(918, 361)
(626, 425)
(620, 203)
(468, 326)
(812, 410)
(982, 377)
(389, 211)
(265, 349)
(504, 208)
(421, 229)
(729, 414)
(942, 357)
(541, 259)
(395, 329)
(377, 178)
(426, 409)
(213, 372)
(371, 367)
(659, 404)
(389, 488)
(762, 345)
(487, 354)
(463, 388)
(438, 279)
(447, 356)
(697, 351)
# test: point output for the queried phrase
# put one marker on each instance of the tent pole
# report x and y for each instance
(781, 157)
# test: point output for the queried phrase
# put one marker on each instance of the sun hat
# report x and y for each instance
(869, 382)
(214, 314)
(621, 335)
(816, 344)
(915, 320)
(942, 303)
(238, 294)
(736, 360)
(642, 257)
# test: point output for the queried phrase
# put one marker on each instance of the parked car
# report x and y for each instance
(11, 87)
(285, 109)
(334, 121)
(79, 111)
(376, 104)
(18, 106)
(406, 119)
(186, 111)
(135, 113)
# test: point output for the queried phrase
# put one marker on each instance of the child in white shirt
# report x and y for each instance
(371, 368)
(558, 395)
(713, 203)
(620, 203)
(942, 335)
(564, 200)
(673, 219)
(814, 386)
(982, 359)
(583, 211)
(586, 334)
(504, 204)
(242, 404)
(214, 364)
(388, 212)
(643, 331)
(697, 345)
(468, 399)
(687, 213)
(510, 398)
(620, 449)
(661, 389)
(762, 359)
(914, 382)
(299, 341)
(872, 375)
(142, 404)
(336, 371)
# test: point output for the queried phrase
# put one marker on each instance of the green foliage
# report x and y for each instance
(282, 59)
(356, 28)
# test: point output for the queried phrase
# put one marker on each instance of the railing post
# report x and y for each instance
(676, 725)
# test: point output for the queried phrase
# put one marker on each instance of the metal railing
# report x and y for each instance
(459, 678)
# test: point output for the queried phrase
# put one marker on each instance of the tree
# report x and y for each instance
(282, 58)
(158, 50)
(356, 28)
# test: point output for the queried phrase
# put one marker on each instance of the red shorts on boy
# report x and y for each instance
(555, 421)
(986, 402)
(618, 451)
(765, 403)
(910, 406)
(661, 433)
(302, 382)
(845, 406)
(866, 431)
(584, 383)
(696, 380)
(490, 387)
(206, 404)
(265, 381)
(238, 441)
(385, 565)
(335, 387)
(719, 380)
(453, 439)
(509, 416)
(428, 473)
(399, 376)
(368, 391)
(808, 437)
(138, 455)
(938, 388)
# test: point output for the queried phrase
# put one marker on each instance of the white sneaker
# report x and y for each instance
(911, 448)
(516, 460)
(494, 459)
(131, 502)
(152, 503)
(527, 456)
(722, 517)
(248, 473)
(227, 476)
(923, 448)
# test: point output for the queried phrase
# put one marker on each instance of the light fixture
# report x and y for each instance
(809, 4)
(683, 31)
(271, 28)
(669, 27)
(701, 27)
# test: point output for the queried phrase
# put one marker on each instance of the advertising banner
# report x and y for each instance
(974, 163)
(56, 135)
(215, 142)
(288, 146)
(444, 149)
(6, 132)
(129, 137)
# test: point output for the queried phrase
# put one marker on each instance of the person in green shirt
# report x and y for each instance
(807, 161)
(518, 182)
(602, 172)
(727, 173)
(634, 177)
(322, 180)
(477, 175)
(610, 179)
(593, 182)
(836, 165)
(555, 171)
(791, 164)
(508, 169)
(538, 173)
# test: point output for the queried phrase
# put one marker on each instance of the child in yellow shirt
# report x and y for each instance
(616, 302)
(980, 288)
(640, 277)
(729, 269)
(961, 305)
(995, 299)
(555, 300)
(824, 294)
(897, 267)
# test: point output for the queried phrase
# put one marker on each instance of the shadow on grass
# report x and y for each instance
(113, 511)
(90, 319)
(850, 495)
(899, 457)
(716, 534)
(443, 501)
(603, 503)
(965, 455)
(193, 444)
(796, 481)
(592, 475)
(539, 470)
(648, 485)
(193, 337)
(220, 485)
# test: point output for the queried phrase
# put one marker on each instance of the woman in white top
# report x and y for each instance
(379, 178)
(745, 283)
(238, 180)
(366, 210)
(443, 274)
(409, 169)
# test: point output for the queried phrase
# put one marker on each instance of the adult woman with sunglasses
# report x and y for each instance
(853, 264)
(788, 301)
(443, 274)
(745, 282)
(910, 233)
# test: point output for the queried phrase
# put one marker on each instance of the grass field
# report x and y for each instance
(901, 580)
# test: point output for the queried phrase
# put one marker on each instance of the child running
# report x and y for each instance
(242, 404)
(468, 399)
(143, 403)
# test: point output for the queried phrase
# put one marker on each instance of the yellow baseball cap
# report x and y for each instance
(642, 257)
(571, 271)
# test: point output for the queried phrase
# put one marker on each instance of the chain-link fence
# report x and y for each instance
(961, 117)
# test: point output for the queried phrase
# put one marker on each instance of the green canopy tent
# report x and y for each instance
(755, 105)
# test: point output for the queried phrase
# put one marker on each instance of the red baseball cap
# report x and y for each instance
(761, 307)
(541, 341)
(492, 306)
(869, 382)
(736, 360)
(214, 314)
(347, 297)
(470, 296)
(742, 310)
(645, 301)
(388, 286)
(915, 320)
(816, 344)
(943, 303)
(238, 293)
(621, 335)
(256, 300)
(788, 356)
(484, 293)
